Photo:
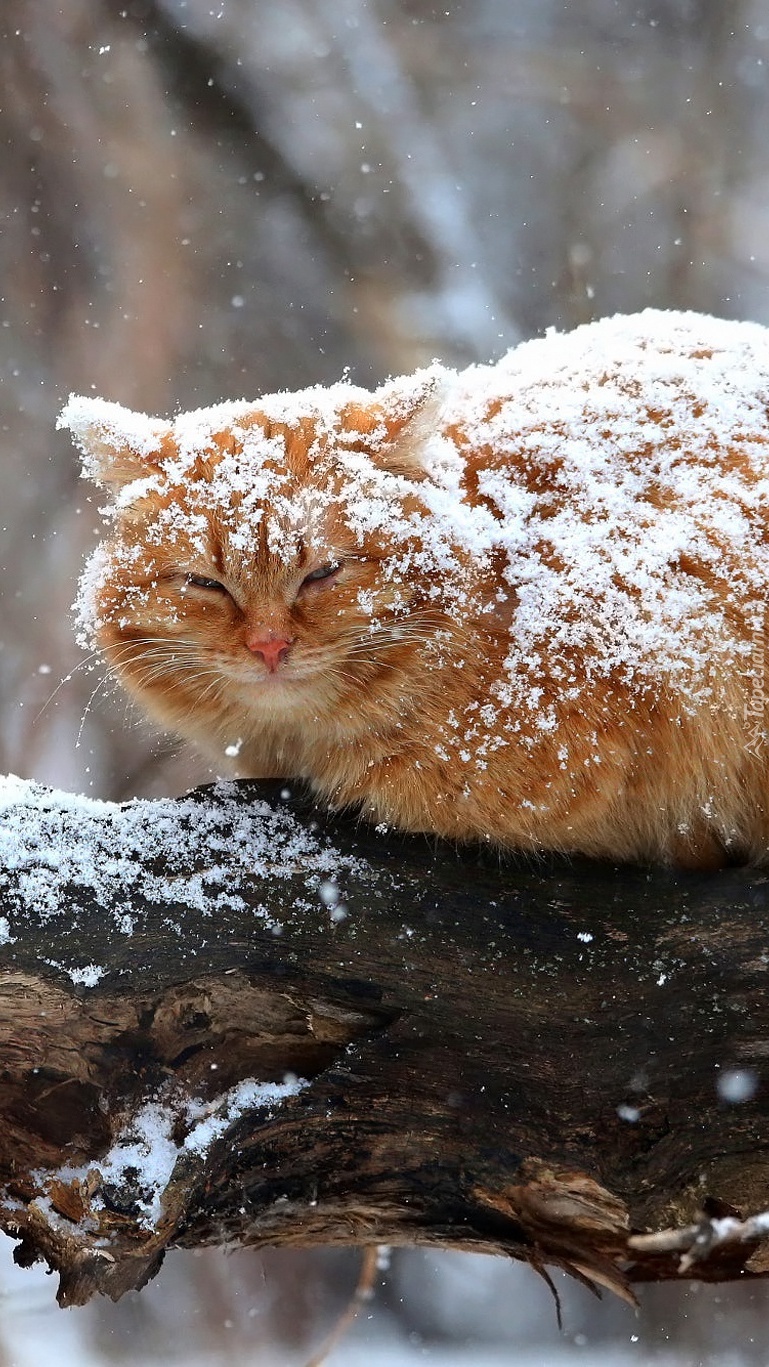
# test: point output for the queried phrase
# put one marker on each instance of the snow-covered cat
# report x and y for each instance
(526, 603)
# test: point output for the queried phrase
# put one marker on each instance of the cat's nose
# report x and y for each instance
(271, 650)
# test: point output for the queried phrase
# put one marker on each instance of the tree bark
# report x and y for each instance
(467, 1051)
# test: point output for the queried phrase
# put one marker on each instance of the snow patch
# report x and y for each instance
(179, 852)
(144, 1156)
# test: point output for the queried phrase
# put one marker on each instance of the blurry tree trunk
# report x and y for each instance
(465, 1053)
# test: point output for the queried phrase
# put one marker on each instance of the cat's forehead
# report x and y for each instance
(291, 449)
(262, 488)
(322, 466)
(242, 502)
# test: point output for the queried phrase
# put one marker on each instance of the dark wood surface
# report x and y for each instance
(500, 1056)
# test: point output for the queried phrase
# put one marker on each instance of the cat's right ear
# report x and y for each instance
(117, 446)
(406, 411)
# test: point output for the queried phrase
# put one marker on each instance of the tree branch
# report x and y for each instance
(231, 1018)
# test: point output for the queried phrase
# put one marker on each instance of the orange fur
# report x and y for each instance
(632, 721)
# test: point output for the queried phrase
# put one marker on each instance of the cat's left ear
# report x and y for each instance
(117, 445)
(409, 408)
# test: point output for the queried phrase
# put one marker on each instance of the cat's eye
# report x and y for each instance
(201, 582)
(323, 572)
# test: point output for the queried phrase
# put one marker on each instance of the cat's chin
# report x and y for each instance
(276, 692)
(270, 685)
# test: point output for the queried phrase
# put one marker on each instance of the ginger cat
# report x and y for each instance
(526, 603)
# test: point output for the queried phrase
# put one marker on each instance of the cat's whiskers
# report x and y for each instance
(169, 650)
(119, 647)
(67, 678)
(159, 672)
(102, 681)
(152, 660)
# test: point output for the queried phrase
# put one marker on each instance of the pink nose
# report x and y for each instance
(271, 650)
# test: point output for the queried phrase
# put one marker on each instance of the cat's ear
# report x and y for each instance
(401, 416)
(117, 445)
(410, 407)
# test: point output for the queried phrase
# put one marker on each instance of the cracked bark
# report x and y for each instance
(500, 1057)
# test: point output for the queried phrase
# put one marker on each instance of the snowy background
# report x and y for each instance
(207, 199)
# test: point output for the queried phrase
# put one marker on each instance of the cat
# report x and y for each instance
(526, 603)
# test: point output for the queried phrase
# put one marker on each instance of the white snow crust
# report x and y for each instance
(174, 852)
(145, 1153)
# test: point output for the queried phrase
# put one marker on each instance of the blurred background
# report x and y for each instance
(208, 199)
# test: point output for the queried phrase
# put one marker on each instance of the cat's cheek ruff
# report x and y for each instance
(89, 606)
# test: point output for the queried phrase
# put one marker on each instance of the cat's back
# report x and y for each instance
(655, 423)
(622, 391)
(626, 469)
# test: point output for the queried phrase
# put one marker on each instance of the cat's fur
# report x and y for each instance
(548, 623)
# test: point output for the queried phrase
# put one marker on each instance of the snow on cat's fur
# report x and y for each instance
(527, 603)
